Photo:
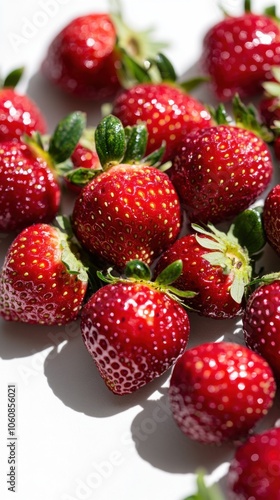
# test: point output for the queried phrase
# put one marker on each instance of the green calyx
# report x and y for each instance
(243, 116)
(117, 144)
(137, 271)
(138, 44)
(248, 228)
(13, 78)
(70, 249)
(57, 149)
(227, 253)
(205, 492)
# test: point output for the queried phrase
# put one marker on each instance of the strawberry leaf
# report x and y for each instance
(66, 136)
(138, 270)
(136, 143)
(165, 68)
(13, 78)
(237, 289)
(205, 492)
(170, 273)
(110, 141)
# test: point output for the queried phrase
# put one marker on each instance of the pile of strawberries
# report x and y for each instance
(154, 185)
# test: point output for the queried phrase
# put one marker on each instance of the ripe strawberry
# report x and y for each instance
(134, 328)
(276, 146)
(254, 472)
(42, 281)
(82, 158)
(215, 266)
(219, 171)
(261, 321)
(271, 217)
(29, 185)
(239, 51)
(18, 113)
(166, 108)
(219, 391)
(130, 210)
(86, 56)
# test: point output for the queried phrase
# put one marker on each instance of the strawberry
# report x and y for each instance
(29, 184)
(19, 114)
(85, 58)
(261, 320)
(239, 51)
(254, 472)
(219, 391)
(83, 157)
(134, 328)
(215, 266)
(168, 110)
(130, 210)
(42, 280)
(219, 171)
(271, 217)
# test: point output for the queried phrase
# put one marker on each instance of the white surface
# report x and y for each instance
(76, 440)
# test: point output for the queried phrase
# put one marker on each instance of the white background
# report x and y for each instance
(76, 440)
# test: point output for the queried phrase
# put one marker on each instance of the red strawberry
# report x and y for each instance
(42, 280)
(18, 113)
(130, 210)
(271, 217)
(221, 170)
(85, 58)
(261, 322)
(219, 391)
(166, 108)
(215, 266)
(238, 53)
(29, 186)
(29, 190)
(134, 329)
(254, 472)
(276, 146)
(83, 158)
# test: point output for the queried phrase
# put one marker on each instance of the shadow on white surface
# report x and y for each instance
(75, 380)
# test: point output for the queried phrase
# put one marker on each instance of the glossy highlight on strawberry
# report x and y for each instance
(134, 331)
(254, 471)
(168, 111)
(220, 171)
(219, 391)
(39, 282)
(238, 53)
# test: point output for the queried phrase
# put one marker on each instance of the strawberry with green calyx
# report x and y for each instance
(130, 210)
(219, 171)
(163, 103)
(29, 175)
(42, 280)
(219, 391)
(18, 113)
(240, 64)
(215, 266)
(135, 328)
(86, 57)
(261, 325)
